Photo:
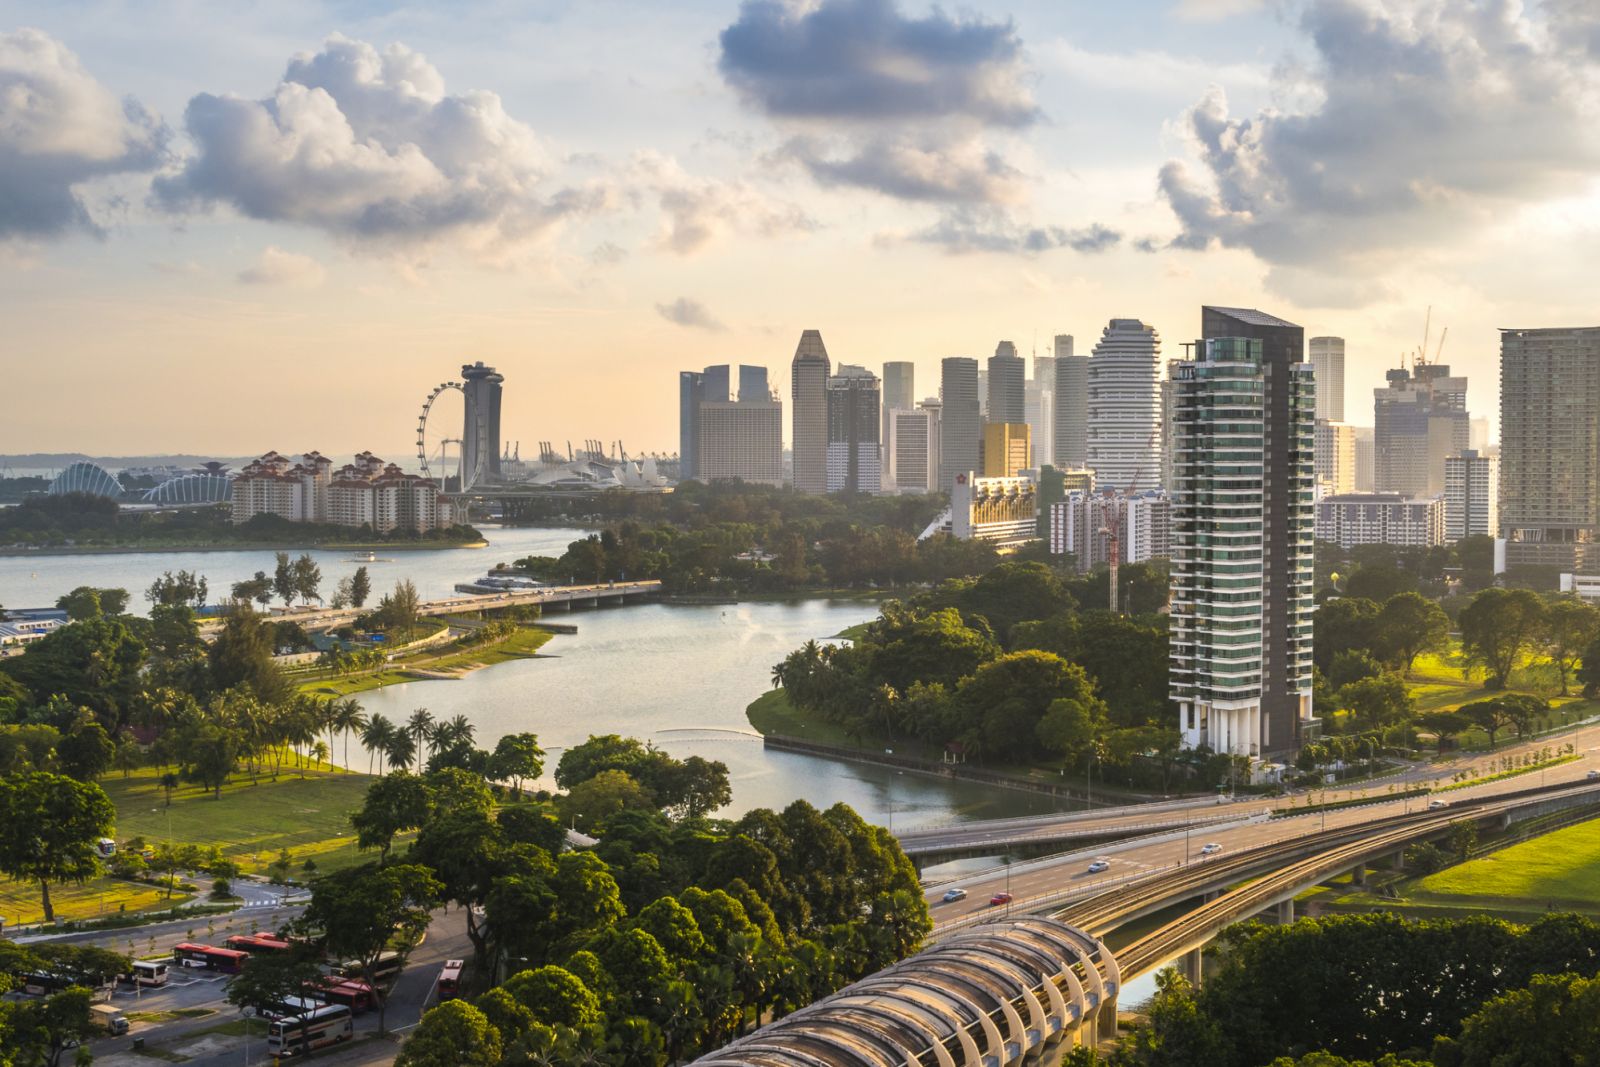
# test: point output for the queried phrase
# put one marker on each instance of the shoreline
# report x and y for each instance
(250, 546)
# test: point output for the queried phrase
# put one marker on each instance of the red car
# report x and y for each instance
(1000, 898)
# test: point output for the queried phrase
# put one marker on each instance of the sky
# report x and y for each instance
(228, 228)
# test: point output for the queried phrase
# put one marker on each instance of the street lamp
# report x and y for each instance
(248, 1013)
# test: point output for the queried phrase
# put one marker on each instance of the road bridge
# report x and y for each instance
(547, 598)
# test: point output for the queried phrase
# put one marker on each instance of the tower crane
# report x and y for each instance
(1114, 527)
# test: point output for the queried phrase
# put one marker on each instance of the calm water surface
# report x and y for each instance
(678, 676)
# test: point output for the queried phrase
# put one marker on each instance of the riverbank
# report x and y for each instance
(244, 546)
(524, 643)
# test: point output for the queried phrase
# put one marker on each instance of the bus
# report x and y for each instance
(257, 944)
(317, 1029)
(149, 972)
(385, 969)
(226, 960)
(355, 995)
(450, 979)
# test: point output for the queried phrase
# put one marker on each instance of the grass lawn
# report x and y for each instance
(1561, 868)
(524, 644)
(1442, 682)
(19, 901)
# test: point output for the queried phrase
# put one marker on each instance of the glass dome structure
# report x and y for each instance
(191, 489)
(85, 477)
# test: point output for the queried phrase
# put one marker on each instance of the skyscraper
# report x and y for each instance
(1470, 505)
(1419, 418)
(808, 395)
(1007, 449)
(1327, 361)
(480, 432)
(740, 439)
(911, 450)
(1336, 457)
(1041, 409)
(899, 394)
(1071, 445)
(691, 391)
(1243, 524)
(1008, 385)
(853, 458)
(961, 427)
(1550, 447)
(697, 390)
(1124, 416)
(1365, 459)
(753, 383)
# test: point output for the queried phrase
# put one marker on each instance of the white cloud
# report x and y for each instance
(368, 146)
(690, 313)
(697, 211)
(277, 267)
(1215, 10)
(59, 129)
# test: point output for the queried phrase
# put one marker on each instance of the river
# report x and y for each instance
(680, 677)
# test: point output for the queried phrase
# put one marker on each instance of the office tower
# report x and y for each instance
(1419, 418)
(1124, 417)
(935, 411)
(753, 384)
(853, 459)
(691, 391)
(740, 439)
(1040, 404)
(1327, 361)
(912, 450)
(480, 431)
(899, 393)
(1365, 459)
(1243, 523)
(716, 382)
(1071, 446)
(1470, 505)
(983, 392)
(1478, 434)
(961, 425)
(1336, 457)
(1550, 447)
(1008, 388)
(808, 396)
(1007, 449)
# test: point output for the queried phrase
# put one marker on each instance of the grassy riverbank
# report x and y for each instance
(242, 546)
(444, 662)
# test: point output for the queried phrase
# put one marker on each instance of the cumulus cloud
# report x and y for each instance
(696, 211)
(986, 230)
(60, 128)
(1215, 10)
(369, 146)
(278, 267)
(690, 313)
(1426, 119)
(876, 99)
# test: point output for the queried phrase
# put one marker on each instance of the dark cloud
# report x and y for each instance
(369, 146)
(908, 167)
(1430, 117)
(986, 230)
(60, 128)
(690, 313)
(864, 60)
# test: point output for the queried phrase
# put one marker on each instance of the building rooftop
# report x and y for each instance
(1251, 316)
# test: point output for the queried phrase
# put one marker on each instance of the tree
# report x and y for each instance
(283, 579)
(94, 664)
(1491, 716)
(591, 802)
(271, 979)
(1444, 725)
(86, 751)
(1554, 1021)
(362, 911)
(1001, 704)
(394, 804)
(453, 1034)
(695, 787)
(555, 997)
(42, 1031)
(360, 587)
(307, 577)
(1409, 625)
(1498, 628)
(1377, 701)
(242, 654)
(399, 610)
(1572, 627)
(258, 589)
(517, 757)
(1068, 727)
(184, 589)
(1346, 624)
(49, 825)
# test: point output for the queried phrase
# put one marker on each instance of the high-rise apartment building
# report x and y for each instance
(740, 439)
(1550, 447)
(1336, 457)
(1071, 444)
(1040, 404)
(1351, 519)
(1471, 507)
(480, 433)
(1081, 526)
(899, 394)
(1419, 418)
(853, 457)
(1008, 385)
(808, 396)
(911, 450)
(1007, 449)
(1243, 524)
(1366, 459)
(1124, 407)
(1478, 434)
(961, 424)
(1327, 362)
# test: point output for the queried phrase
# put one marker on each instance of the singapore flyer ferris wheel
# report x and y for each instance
(424, 452)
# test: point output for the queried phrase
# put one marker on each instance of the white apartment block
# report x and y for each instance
(1124, 407)
(912, 450)
(1471, 496)
(1336, 457)
(366, 493)
(1350, 519)
(1082, 523)
(740, 439)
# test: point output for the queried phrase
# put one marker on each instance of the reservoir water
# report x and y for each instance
(679, 677)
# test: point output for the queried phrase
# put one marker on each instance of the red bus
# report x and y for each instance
(357, 996)
(257, 944)
(227, 960)
(450, 979)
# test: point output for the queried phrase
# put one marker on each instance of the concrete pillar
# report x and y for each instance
(1192, 966)
(1397, 862)
(1358, 876)
(1106, 1025)
(1285, 912)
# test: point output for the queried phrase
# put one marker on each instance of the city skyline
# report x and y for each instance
(1058, 176)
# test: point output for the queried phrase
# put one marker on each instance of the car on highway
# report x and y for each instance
(1435, 805)
(1101, 864)
(954, 894)
(1000, 898)
(1593, 776)
(1210, 848)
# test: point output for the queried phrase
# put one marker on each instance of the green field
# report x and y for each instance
(1560, 869)
(1443, 682)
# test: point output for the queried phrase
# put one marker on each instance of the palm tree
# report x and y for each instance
(169, 782)
(421, 725)
(461, 730)
(402, 751)
(376, 735)
(349, 717)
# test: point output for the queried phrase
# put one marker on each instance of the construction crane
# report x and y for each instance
(1114, 544)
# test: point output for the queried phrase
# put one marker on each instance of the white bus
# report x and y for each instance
(150, 972)
(299, 1033)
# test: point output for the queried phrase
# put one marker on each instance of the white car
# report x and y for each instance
(1210, 848)
(1099, 865)
(954, 894)
(1593, 776)
(1435, 805)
